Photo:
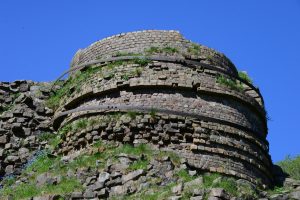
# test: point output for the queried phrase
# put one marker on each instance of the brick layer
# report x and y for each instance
(214, 126)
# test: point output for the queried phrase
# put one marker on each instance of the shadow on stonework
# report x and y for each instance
(279, 176)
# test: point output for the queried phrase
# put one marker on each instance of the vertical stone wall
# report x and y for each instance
(185, 99)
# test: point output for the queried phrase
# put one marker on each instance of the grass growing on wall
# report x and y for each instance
(194, 49)
(4, 108)
(233, 84)
(141, 61)
(155, 50)
(243, 75)
(97, 158)
(27, 190)
(75, 83)
(71, 85)
(54, 166)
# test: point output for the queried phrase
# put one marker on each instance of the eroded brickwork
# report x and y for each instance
(174, 105)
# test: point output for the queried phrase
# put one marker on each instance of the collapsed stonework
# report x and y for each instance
(23, 118)
(157, 87)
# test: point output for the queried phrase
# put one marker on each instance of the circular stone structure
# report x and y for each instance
(157, 87)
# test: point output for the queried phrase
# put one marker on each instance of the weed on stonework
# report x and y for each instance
(233, 84)
(39, 163)
(71, 85)
(243, 75)
(184, 175)
(132, 114)
(52, 139)
(74, 83)
(194, 49)
(81, 124)
(4, 108)
(131, 150)
(140, 164)
(155, 50)
(28, 190)
(153, 112)
(141, 61)
(8, 180)
(125, 77)
(96, 158)
(114, 64)
(228, 184)
(209, 178)
(46, 136)
(137, 72)
(170, 50)
(75, 126)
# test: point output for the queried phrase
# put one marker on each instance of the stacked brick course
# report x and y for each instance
(179, 107)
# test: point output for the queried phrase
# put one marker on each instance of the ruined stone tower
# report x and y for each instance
(157, 87)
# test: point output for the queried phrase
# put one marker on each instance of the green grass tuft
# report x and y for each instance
(243, 75)
(184, 175)
(139, 164)
(153, 112)
(46, 136)
(209, 178)
(291, 166)
(71, 85)
(233, 84)
(155, 50)
(228, 184)
(137, 72)
(125, 77)
(74, 83)
(152, 50)
(80, 124)
(194, 49)
(42, 164)
(170, 50)
(141, 61)
(132, 114)
(138, 150)
(25, 190)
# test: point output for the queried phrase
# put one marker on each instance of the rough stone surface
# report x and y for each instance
(195, 115)
(132, 175)
(295, 195)
(174, 102)
(22, 111)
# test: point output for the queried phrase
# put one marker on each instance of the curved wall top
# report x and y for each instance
(140, 41)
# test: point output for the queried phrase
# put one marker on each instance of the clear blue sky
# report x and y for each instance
(38, 39)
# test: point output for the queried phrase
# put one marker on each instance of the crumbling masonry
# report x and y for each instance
(157, 87)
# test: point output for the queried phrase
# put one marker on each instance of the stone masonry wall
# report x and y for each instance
(178, 107)
(204, 147)
(23, 117)
(138, 42)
